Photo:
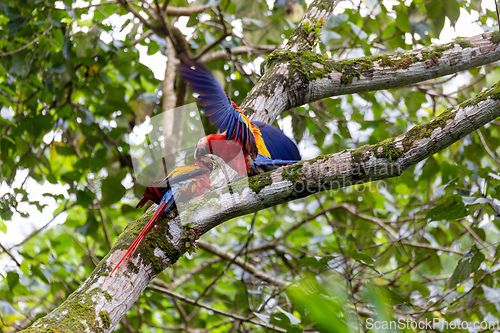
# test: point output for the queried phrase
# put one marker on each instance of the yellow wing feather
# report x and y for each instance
(259, 142)
(182, 170)
(261, 146)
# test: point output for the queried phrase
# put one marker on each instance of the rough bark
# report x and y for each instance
(296, 78)
(317, 14)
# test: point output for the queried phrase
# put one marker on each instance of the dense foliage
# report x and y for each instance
(72, 88)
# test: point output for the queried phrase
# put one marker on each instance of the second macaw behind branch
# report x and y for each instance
(264, 147)
(183, 183)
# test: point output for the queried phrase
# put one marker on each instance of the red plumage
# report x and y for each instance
(181, 185)
(255, 140)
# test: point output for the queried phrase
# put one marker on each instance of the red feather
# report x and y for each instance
(126, 257)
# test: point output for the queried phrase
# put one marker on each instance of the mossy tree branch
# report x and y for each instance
(99, 304)
(296, 78)
(306, 34)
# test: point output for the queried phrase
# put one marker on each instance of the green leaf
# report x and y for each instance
(3, 227)
(59, 37)
(434, 8)
(467, 265)
(324, 306)
(90, 227)
(14, 25)
(452, 10)
(112, 189)
(402, 19)
(362, 257)
(11, 12)
(12, 279)
(41, 275)
(85, 198)
(72, 176)
(153, 47)
(452, 209)
(66, 51)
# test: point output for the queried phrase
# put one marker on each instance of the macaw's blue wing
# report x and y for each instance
(264, 164)
(278, 144)
(219, 108)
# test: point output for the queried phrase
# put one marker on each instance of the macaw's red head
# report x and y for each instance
(230, 151)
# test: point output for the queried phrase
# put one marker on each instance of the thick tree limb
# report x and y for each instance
(99, 304)
(297, 78)
(316, 15)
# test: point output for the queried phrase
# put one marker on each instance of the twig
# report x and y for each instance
(215, 310)
(240, 262)
(34, 233)
(144, 21)
(103, 221)
(184, 278)
(10, 255)
(223, 54)
(26, 45)
(218, 40)
(186, 11)
(102, 3)
(488, 150)
(478, 239)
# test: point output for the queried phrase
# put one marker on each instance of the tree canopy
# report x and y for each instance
(75, 82)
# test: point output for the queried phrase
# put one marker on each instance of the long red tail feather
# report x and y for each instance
(151, 193)
(158, 213)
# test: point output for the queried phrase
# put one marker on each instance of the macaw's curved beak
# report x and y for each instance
(201, 149)
(199, 152)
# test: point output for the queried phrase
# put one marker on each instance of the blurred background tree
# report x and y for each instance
(76, 78)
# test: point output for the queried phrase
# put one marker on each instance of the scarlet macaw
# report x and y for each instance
(183, 183)
(264, 147)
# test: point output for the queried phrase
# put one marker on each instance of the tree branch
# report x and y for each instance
(318, 11)
(215, 310)
(297, 78)
(163, 29)
(187, 11)
(243, 264)
(223, 54)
